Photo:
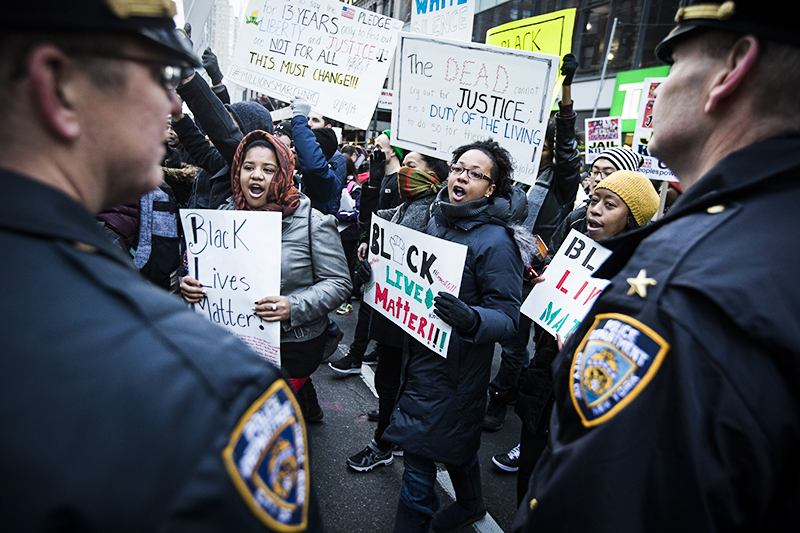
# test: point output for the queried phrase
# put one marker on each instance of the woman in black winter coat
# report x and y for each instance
(439, 411)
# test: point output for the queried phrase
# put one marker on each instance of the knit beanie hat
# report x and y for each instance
(284, 127)
(251, 116)
(622, 158)
(326, 138)
(636, 191)
(397, 150)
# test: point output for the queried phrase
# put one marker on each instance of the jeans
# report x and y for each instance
(418, 501)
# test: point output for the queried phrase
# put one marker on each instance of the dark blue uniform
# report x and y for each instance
(678, 398)
(121, 410)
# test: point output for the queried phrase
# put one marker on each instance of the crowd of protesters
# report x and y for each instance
(678, 390)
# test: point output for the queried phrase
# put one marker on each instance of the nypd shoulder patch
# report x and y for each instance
(267, 459)
(614, 362)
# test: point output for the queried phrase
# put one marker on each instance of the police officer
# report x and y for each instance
(121, 410)
(678, 397)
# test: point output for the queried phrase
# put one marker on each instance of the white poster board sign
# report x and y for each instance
(561, 301)
(602, 133)
(409, 268)
(236, 256)
(334, 55)
(440, 18)
(448, 94)
(652, 167)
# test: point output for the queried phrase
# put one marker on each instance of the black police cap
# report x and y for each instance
(148, 19)
(764, 18)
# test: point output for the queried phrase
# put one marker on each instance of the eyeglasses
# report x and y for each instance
(472, 173)
(606, 173)
(169, 76)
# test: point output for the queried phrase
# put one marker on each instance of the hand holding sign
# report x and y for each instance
(455, 313)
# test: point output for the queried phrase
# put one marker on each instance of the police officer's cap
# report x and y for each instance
(148, 19)
(767, 19)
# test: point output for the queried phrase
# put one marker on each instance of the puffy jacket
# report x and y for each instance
(441, 403)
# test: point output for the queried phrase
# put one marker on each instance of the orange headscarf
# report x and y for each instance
(282, 195)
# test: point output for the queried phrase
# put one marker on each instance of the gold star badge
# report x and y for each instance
(639, 284)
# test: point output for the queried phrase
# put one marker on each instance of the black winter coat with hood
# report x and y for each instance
(440, 406)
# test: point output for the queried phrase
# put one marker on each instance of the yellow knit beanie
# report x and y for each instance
(636, 191)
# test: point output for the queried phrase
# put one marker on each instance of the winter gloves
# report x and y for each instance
(300, 107)
(568, 67)
(455, 313)
(211, 65)
(377, 168)
(363, 274)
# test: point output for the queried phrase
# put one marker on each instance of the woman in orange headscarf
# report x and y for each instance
(314, 275)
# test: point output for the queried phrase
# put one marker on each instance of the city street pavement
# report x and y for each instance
(353, 501)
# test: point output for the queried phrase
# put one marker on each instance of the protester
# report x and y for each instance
(623, 201)
(679, 390)
(314, 274)
(122, 409)
(441, 401)
(225, 125)
(550, 200)
(378, 192)
(419, 181)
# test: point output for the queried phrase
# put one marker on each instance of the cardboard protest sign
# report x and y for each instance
(652, 167)
(550, 33)
(602, 133)
(448, 94)
(236, 256)
(561, 301)
(334, 55)
(409, 268)
(436, 18)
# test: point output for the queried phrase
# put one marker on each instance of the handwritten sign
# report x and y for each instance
(436, 18)
(561, 301)
(601, 134)
(652, 167)
(409, 268)
(550, 33)
(334, 55)
(448, 94)
(236, 256)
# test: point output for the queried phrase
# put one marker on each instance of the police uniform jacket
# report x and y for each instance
(121, 409)
(440, 407)
(677, 399)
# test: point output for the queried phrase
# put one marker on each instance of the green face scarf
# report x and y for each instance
(411, 182)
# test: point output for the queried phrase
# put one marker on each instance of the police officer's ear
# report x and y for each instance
(55, 91)
(739, 63)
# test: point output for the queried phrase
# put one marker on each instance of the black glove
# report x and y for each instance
(363, 273)
(377, 168)
(568, 68)
(455, 313)
(211, 65)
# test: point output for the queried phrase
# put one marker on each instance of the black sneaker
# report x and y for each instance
(369, 458)
(346, 365)
(373, 415)
(507, 462)
(371, 358)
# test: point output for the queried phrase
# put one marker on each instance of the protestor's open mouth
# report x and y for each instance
(256, 190)
(592, 224)
(457, 193)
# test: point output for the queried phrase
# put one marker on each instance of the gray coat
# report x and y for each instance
(316, 280)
